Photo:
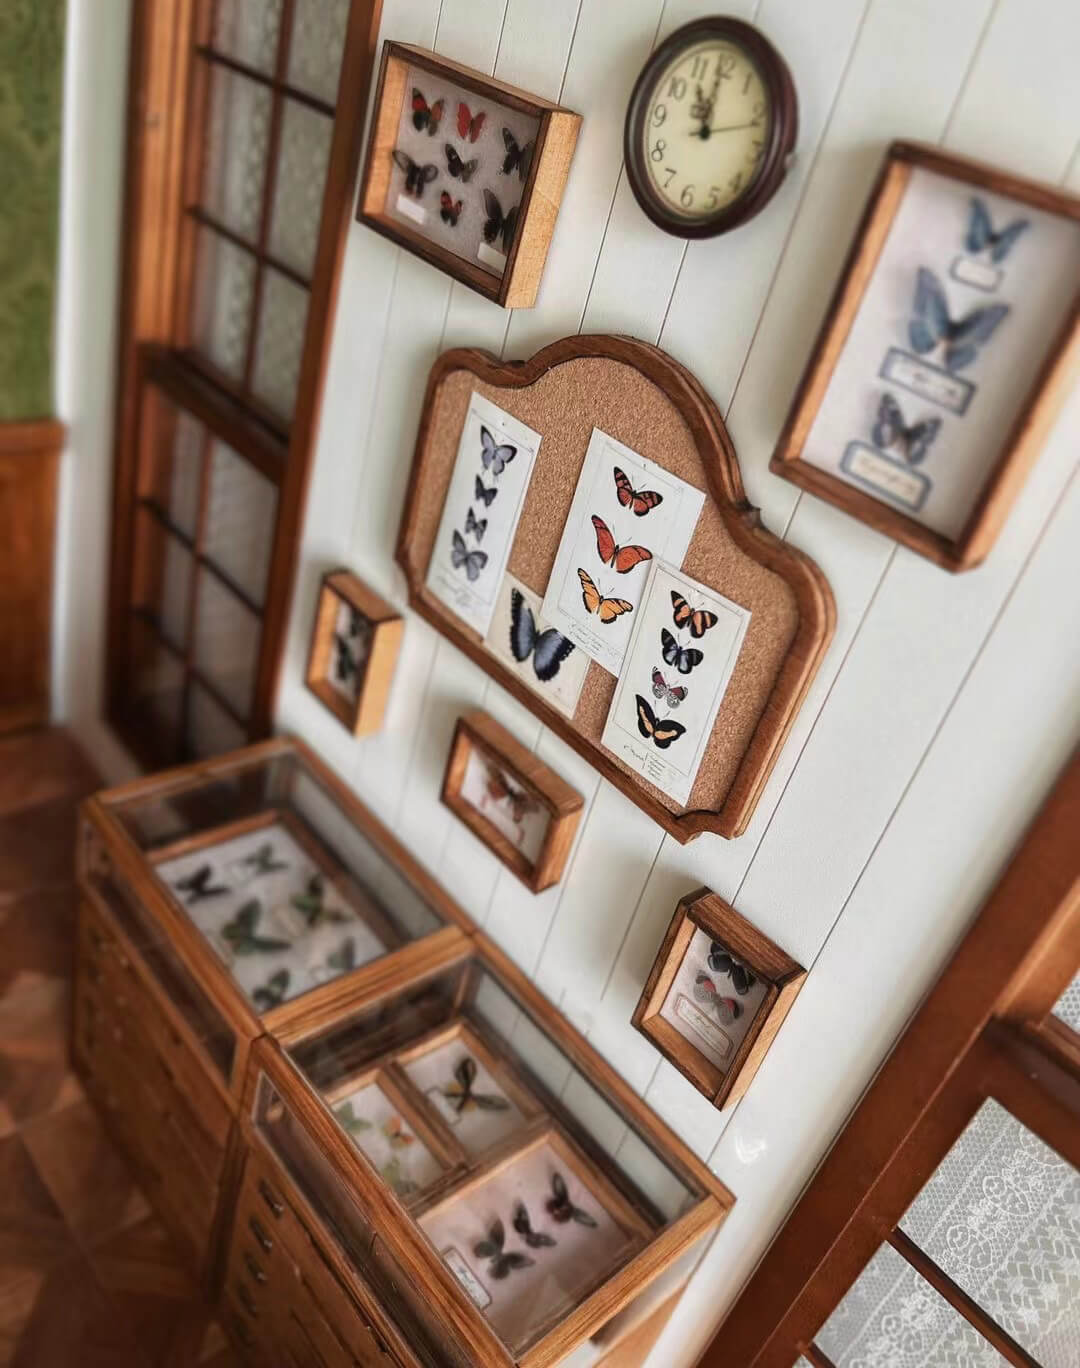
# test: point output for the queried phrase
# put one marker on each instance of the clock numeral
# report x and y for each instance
(671, 173)
(758, 113)
(746, 83)
(725, 66)
(659, 114)
(700, 67)
(714, 197)
(686, 199)
(659, 148)
(735, 183)
(676, 88)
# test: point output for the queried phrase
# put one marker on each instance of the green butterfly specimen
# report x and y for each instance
(239, 931)
(262, 861)
(310, 904)
(273, 991)
(344, 957)
(391, 1173)
(461, 1095)
(354, 1124)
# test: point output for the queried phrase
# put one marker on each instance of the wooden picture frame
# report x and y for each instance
(538, 858)
(961, 516)
(697, 1052)
(554, 132)
(370, 642)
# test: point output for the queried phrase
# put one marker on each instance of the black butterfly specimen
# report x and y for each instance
(724, 962)
(487, 495)
(497, 224)
(517, 157)
(449, 209)
(661, 731)
(726, 1008)
(357, 622)
(667, 693)
(344, 957)
(311, 904)
(697, 619)
(273, 991)
(684, 658)
(891, 430)
(262, 860)
(460, 555)
(933, 324)
(980, 233)
(502, 1263)
(548, 648)
(241, 934)
(197, 886)
(477, 526)
(640, 500)
(344, 660)
(495, 456)
(561, 1208)
(462, 1096)
(535, 1239)
(416, 176)
(425, 115)
(460, 170)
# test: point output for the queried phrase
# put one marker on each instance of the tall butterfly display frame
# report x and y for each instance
(643, 398)
(375, 670)
(1032, 420)
(703, 910)
(541, 193)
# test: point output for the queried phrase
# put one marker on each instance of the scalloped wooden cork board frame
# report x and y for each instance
(640, 396)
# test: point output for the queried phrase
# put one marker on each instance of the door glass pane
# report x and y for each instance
(226, 642)
(210, 729)
(1001, 1216)
(298, 188)
(237, 139)
(155, 677)
(224, 295)
(318, 37)
(174, 465)
(163, 589)
(248, 30)
(240, 521)
(892, 1318)
(280, 342)
(1067, 1007)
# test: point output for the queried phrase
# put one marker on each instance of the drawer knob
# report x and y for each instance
(243, 1334)
(266, 1244)
(247, 1301)
(267, 1194)
(256, 1273)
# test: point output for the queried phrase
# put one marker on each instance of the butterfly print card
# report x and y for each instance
(682, 653)
(627, 512)
(480, 516)
(545, 660)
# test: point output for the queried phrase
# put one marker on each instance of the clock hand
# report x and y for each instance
(734, 128)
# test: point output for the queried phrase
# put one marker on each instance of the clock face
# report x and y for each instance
(707, 124)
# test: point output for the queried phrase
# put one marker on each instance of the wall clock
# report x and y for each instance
(710, 128)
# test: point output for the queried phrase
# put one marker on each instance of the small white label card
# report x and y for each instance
(466, 1277)
(546, 661)
(627, 513)
(685, 643)
(480, 516)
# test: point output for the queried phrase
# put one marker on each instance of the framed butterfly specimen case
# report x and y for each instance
(950, 344)
(518, 806)
(466, 171)
(716, 995)
(354, 648)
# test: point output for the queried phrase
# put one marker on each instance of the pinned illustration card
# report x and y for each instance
(542, 657)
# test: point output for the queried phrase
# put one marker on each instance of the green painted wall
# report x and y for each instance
(31, 89)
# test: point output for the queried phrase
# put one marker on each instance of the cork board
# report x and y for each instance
(640, 396)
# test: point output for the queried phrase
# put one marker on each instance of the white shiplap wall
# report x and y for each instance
(945, 704)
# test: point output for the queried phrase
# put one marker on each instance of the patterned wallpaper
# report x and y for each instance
(31, 84)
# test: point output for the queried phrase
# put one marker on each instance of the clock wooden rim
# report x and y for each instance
(782, 134)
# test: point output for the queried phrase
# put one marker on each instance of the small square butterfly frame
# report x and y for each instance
(892, 492)
(363, 713)
(560, 806)
(776, 972)
(541, 193)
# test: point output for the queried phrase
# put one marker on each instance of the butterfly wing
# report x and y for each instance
(589, 593)
(421, 112)
(453, 161)
(515, 1259)
(522, 626)
(513, 152)
(661, 733)
(467, 169)
(509, 224)
(493, 224)
(1003, 241)
(659, 684)
(931, 322)
(501, 457)
(605, 542)
(403, 160)
(458, 550)
(474, 563)
(888, 424)
(624, 490)
(676, 695)
(979, 230)
(525, 160)
(646, 718)
(551, 650)
(645, 500)
(966, 336)
(626, 557)
(612, 608)
(920, 438)
(701, 621)
(680, 611)
(487, 495)
(427, 173)
(688, 657)
(669, 647)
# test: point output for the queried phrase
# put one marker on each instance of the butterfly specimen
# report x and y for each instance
(449, 209)
(469, 125)
(477, 526)
(460, 555)
(891, 430)
(273, 991)
(262, 860)
(241, 935)
(726, 1008)
(607, 609)
(932, 323)
(344, 957)
(395, 1132)
(495, 457)
(698, 620)
(197, 886)
(535, 1239)
(492, 1248)
(517, 157)
(462, 1096)
(416, 176)
(391, 1173)
(312, 906)
(497, 224)
(561, 1208)
(425, 115)
(354, 1124)
(357, 622)
(460, 170)
(344, 660)
(980, 233)
(500, 790)
(548, 648)
(640, 500)
(724, 962)
(665, 692)
(488, 495)
(621, 558)
(684, 658)
(660, 731)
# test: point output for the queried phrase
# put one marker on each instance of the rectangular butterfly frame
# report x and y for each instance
(361, 713)
(894, 493)
(541, 191)
(478, 733)
(776, 972)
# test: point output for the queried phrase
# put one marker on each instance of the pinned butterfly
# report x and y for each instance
(890, 430)
(981, 235)
(933, 326)
(417, 177)
(548, 648)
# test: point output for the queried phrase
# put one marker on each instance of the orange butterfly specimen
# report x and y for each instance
(396, 1133)
(620, 558)
(607, 609)
(500, 789)
(700, 621)
(640, 500)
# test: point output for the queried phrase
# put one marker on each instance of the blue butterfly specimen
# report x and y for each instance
(932, 324)
(890, 430)
(980, 233)
(487, 495)
(477, 526)
(548, 649)
(460, 555)
(495, 457)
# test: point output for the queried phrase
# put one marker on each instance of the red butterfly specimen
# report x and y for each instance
(450, 211)
(425, 115)
(469, 125)
(620, 558)
(640, 500)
